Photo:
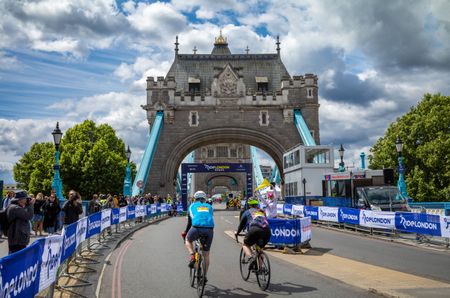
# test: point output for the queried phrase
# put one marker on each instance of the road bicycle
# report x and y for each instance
(197, 273)
(260, 265)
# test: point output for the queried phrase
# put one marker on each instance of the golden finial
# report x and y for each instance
(221, 39)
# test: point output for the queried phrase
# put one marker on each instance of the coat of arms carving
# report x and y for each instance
(228, 83)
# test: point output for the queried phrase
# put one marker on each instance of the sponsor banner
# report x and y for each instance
(179, 208)
(377, 219)
(131, 212)
(106, 219)
(445, 226)
(287, 209)
(51, 256)
(163, 207)
(142, 210)
(328, 214)
(312, 211)
(122, 214)
(115, 215)
(158, 208)
(420, 223)
(298, 210)
(284, 231)
(81, 230)
(153, 208)
(168, 207)
(349, 216)
(306, 229)
(69, 241)
(280, 209)
(94, 224)
(19, 272)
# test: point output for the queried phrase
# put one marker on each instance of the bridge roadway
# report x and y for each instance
(153, 263)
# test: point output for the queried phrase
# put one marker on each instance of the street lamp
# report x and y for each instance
(341, 155)
(57, 183)
(401, 184)
(127, 181)
(304, 190)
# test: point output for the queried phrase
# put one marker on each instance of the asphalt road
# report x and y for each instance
(154, 264)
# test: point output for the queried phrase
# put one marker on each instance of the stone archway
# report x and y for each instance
(212, 180)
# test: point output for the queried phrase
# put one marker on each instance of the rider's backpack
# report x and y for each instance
(4, 223)
(258, 219)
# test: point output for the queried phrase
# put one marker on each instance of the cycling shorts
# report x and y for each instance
(257, 235)
(205, 234)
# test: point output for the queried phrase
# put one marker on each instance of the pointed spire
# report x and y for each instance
(221, 40)
(246, 50)
(278, 44)
(195, 50)
(176, 45)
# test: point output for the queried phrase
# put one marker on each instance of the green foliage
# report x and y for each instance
(92, 161)
(34, 170)
(425, 132)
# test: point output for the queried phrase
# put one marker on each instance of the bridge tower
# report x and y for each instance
(223, 97)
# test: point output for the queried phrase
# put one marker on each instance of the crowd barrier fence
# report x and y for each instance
(418, 223)
(39, 266)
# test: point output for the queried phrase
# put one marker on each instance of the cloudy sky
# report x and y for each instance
(69, 60)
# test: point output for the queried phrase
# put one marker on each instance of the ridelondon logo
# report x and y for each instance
(348, 216)
(418, 224)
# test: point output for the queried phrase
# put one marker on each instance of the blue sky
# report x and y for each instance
(70, 60)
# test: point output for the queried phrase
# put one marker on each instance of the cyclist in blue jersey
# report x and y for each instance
(200, 225)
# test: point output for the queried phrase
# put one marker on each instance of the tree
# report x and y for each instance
(92, 161)
(34, 170)
(425, 132)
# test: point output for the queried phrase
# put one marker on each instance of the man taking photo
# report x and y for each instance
(19, 213)
(72, 208)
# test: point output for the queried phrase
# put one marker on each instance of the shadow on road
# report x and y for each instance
(289, 288)
(213, 291)
(317, 251)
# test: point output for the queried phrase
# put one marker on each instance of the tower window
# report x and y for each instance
(309, 93)
(264, 118)
(194, 84)
(210, 153)
(222, 151)
(193, 118)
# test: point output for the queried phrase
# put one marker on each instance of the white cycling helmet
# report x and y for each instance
(200, 195)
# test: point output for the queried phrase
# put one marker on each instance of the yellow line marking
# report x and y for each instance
(358, 274)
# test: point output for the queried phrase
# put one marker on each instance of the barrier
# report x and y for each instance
(419, 223)
(34, 269)
(289, 231)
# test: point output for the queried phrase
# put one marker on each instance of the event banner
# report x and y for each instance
(163, 207)
(377, 219)
(285, 231)
(153, 206)
(420, 223)
(115, 214)
(131, 212)
(280, 209)
(328, 214)
(94, 224)
(298, 210)
(349, 216)
(306, 229)
(312, 211)
(106, 219)
(81, 230)
(51, 256)
(158, 208)
(69, 241)
(179, 208)
(19, 275)
(287, 209)
(123, 214)
(445, 226)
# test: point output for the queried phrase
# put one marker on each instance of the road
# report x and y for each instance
(153, 263)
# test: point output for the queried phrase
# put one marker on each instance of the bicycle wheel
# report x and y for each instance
(192, 274)
(201, 275)
(263, 271)
(244, 267)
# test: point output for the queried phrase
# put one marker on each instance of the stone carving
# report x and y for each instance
(228, 83)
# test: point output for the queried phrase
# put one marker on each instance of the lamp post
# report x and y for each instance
(57, 183)
(401, 184)
(127, 181)
(341, 155)
(304, 190)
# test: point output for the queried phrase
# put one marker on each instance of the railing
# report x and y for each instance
(39, 266)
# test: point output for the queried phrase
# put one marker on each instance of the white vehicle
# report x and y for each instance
(304, 168)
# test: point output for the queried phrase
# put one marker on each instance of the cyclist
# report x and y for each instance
(258, 230)
(200, 225)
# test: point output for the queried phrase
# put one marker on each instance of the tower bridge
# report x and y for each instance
(222, 97)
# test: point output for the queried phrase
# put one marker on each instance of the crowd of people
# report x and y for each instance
(22, 214)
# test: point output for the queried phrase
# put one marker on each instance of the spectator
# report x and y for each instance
(94, 205)
(19, 213)
(122, 201)
(51, 210)
(115, 201)
(38, 218)
(8, 198)
(72, 208)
